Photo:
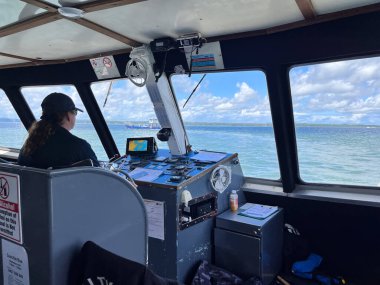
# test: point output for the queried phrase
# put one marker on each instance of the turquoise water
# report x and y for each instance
(334, 154)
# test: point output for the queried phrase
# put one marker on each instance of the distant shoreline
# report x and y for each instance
(5, 120)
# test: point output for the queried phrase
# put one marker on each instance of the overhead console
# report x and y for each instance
(182, 194)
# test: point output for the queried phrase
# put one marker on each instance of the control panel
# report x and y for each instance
(164, 169)
(182, 194)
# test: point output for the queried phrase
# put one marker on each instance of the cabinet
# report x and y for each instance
(249, 247)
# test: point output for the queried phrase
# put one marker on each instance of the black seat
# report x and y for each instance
(95, 262)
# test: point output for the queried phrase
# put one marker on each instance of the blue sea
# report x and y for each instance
(327, 154)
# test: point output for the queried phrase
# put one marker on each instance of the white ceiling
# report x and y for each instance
(144, 21)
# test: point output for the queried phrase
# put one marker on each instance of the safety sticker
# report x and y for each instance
(10, 210)
(104, 67)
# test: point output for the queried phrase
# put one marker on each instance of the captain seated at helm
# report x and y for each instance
(50, 143)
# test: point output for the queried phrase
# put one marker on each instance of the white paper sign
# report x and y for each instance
(10, 207)
(208, 156)
(145, 174)
(15, 264)
(156, 223)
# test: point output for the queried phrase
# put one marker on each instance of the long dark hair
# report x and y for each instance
(41, 131)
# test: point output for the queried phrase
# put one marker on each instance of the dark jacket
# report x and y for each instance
(61, 149)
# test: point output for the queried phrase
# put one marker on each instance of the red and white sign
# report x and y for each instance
(104, 67)
(107, 62)
(10, 210)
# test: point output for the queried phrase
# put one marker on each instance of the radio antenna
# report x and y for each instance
(194, 90)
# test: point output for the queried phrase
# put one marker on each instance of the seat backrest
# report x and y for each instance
(98, 263)
(84, 162)
(57, 211)
(2, 160)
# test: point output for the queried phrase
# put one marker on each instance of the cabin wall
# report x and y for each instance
(346, 236)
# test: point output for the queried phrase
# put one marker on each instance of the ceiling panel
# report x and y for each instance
(150, 20)
(68, 2)
(12, 11)
(4, 60)
(61, 39)
(329, 6)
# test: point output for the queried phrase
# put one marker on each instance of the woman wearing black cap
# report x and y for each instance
(50, 143)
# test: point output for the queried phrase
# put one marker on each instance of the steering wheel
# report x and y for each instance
(127, 176)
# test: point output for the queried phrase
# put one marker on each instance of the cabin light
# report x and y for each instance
(72, 13)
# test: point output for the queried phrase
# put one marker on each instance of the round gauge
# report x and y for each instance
(220, 178)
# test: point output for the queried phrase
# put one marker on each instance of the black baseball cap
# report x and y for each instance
(57, 102)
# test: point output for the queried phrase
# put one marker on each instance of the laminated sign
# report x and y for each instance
(10, 210)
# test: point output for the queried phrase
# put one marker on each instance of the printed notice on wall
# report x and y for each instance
(15, 264)
(155, 213)
(10, 210)
(207, 57)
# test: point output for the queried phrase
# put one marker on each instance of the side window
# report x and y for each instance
(13, 132)
(337, 115)
(83, 127)
(230, 112)
(127, 110)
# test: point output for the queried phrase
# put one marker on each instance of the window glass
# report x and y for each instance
(230, 112)
(13, 132)
(127, 110)
(337, 115)
(83, 127)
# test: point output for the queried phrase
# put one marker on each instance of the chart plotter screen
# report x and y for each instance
(138, 145)
(141, 146)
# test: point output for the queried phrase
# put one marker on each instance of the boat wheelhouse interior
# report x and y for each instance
(186, 101)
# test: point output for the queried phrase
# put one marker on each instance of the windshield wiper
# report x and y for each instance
(108, 93)
(194, 90)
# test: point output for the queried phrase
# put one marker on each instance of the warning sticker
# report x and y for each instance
(104, 67)
(10, 211)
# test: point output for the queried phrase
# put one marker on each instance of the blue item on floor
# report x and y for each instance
(305, 268)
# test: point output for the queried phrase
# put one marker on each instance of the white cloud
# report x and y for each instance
(225, 106)
(339, 92)
(245, 93)
(185, 84)
(244, 106)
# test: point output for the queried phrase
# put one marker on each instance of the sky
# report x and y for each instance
(346, 92)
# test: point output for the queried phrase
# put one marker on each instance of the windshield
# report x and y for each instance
(229, 112)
